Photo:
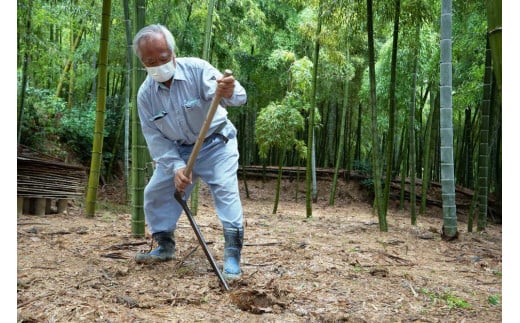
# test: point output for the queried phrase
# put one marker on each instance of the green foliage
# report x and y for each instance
(48, 126)
(280, 58)
(269, 45)
(428, 66)
(301, 73)
(494, 299)
(453, 301)
(307, 19)
(54, 27)
(368, 184)
(77, 128)
(469, 48)
(447, 296)
(41, 120)
(77, 131)
(277, 126)
(363, 167)
(279, 63)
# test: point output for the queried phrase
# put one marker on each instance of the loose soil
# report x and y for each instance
(334, 267)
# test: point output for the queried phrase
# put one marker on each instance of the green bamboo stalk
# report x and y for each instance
(128, 83)
(140, 153)
(483, 163)
(194, 196)
(391, 107)
(341, 144)
(449, 205)
(378, 190)
(97, 146)
(412, 152)
(26, 58)
(281, 158)
(494, 17)
(426, 175)
(310, 171)
(402, 165)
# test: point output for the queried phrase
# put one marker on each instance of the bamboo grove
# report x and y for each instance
(347, 85)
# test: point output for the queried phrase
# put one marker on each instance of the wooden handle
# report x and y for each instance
(204, 129)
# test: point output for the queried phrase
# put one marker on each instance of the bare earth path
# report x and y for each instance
(335, 267)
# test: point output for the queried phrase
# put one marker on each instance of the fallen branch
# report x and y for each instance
(411, 288)
(262, 244)
(125, 245)
(397, 259)
(114, 255)
(258, 265)
(59, 232)
(179, 264)
(33, 223)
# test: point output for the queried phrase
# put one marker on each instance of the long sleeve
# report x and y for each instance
(162, 149)
(210, 74)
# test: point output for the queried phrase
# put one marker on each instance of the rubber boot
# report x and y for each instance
(234, 238)
(165, 251)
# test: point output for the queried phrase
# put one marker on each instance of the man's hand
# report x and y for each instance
(181, 181)
(225, 86)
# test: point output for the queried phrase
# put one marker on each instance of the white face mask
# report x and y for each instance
(161, 73)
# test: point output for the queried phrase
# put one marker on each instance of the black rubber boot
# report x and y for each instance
(234, 238)
(165, 251)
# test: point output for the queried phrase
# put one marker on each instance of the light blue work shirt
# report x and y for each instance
(175, 115)
(171, 119)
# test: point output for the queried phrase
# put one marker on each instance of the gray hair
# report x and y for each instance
(150, 30)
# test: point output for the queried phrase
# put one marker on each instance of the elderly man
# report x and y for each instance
(172, 104)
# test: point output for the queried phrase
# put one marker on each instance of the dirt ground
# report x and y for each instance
(334, 267)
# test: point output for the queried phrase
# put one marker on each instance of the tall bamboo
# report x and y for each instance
(115, 147)
(72, 78)
(427, 157)
(465, 159)
(69, 61)
(207, 33)
(97, 146)
(449, 206)
(341, 143)
(194, 196)
(436, 138)
(140, 153)
(483, 161)
(247, 140)
(412, 151)
(494, 17)
(378, 191)
(311, 171)
(349, 135)
(495, 142)
(281, 158)
(402, 163)
(330, 133)
(128, 75)
(391, 108)
(357, 150)
(26, 58)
